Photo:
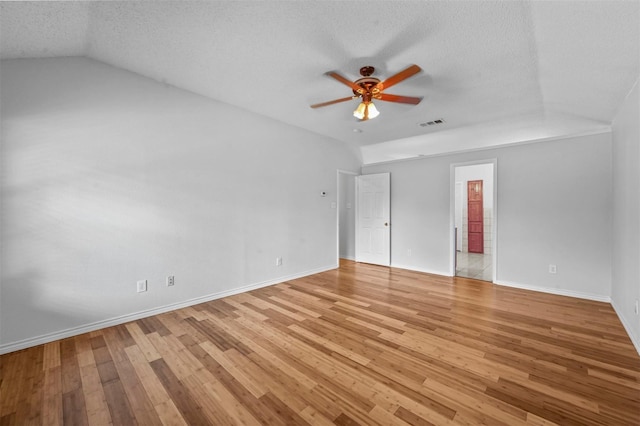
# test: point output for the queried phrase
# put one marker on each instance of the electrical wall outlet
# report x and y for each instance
(553, 269)
(278, 261)
(635, 308)
(409, 252)
(142, 286)
(170, 280)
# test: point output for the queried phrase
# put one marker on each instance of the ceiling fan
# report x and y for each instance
(369, 88)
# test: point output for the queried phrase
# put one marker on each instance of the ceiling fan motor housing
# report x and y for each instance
(368, 87)
(368, 84)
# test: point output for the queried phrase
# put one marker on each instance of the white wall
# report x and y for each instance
(109, 178)
(554, 206)
(625, 289)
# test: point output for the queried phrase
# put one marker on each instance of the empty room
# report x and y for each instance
(320, 212)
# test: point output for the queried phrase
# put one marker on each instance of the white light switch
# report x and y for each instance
(141, 286)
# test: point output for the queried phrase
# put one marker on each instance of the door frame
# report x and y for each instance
(452, 215)
(338, 206)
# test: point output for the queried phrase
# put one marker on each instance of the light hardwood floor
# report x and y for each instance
(361, 345)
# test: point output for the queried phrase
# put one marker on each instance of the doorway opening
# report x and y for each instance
(474, 220)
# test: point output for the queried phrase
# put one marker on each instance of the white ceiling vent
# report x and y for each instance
(432, 123)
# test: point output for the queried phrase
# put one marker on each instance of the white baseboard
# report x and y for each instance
(348, 258)
(51, 337)
(634, 339)
(558, 291)
(426, 271)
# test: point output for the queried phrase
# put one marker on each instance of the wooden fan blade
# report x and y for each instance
(335, 101)
(397, 98)
(395, 79)
(343, 80)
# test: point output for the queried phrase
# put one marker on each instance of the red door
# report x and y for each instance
(475, 216)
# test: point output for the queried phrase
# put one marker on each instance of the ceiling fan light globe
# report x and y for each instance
(360, 112)
(373, 111)
(366, 111)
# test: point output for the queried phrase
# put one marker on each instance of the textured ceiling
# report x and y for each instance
(493, 65)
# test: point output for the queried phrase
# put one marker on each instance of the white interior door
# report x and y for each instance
(373, 225)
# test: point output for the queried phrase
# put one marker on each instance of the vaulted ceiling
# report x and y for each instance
(495, 72)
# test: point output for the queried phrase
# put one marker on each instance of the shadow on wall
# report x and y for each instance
(121, 179)
(26, 292)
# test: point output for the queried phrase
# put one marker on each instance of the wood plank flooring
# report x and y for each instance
(361, 345)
